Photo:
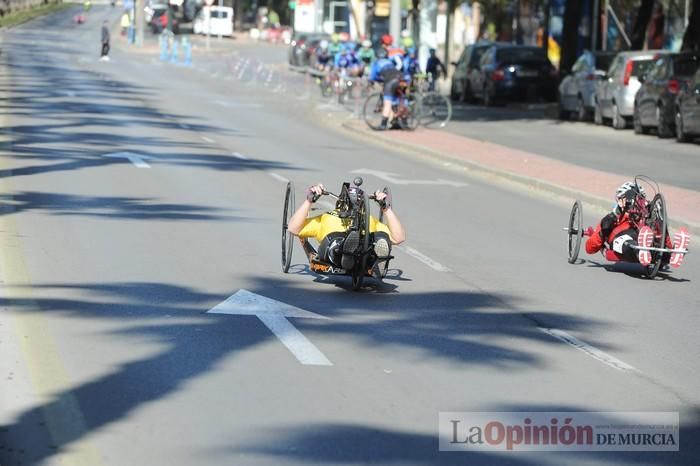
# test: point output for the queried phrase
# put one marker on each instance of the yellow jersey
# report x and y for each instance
(319, 227)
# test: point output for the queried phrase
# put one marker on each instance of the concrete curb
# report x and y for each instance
(488, 173)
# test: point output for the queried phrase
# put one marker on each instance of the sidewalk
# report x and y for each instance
(592, 186)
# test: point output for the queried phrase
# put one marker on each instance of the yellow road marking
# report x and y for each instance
(50, 380)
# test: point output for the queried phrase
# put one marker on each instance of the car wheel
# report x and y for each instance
(466, 92)
(681, 136)
(563, 113)
(637, 123)
(618, 121)
(664, 128)
(581, 112)
(486, 97)
(597, 115)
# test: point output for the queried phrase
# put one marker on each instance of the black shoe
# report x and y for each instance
(349, 249)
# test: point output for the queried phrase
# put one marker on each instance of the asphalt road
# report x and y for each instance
(109, 267)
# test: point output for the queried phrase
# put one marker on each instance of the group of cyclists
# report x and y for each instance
(393, 66)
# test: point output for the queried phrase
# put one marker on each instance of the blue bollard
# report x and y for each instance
(187, 52)
(173, 56)
(163, 42)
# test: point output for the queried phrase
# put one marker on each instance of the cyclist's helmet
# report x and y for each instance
(334, 38)
(411, 52)
(367, 43)
(628, 189)
(323, 45)
(387, 39)
(344, 36)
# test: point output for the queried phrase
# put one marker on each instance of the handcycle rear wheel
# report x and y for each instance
(287, 237)
(360, 269)
(575, 231)
(372, 110)
(657, 221)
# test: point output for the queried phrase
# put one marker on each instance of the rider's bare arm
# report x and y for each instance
(398, 234)
(296, 223)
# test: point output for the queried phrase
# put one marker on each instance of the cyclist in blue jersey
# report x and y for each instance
(323, 56)
(384, 70)
(410, 64)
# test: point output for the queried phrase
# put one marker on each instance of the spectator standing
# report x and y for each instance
(104, 56)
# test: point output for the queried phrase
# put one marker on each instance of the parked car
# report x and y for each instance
(687, 120)
(295, 49)
(513, 72)
(615, 90)
(302, 46)
(655, 102)
(577, 89)
(465, 68)
(214, 20)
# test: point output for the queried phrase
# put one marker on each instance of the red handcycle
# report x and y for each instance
(641, 212)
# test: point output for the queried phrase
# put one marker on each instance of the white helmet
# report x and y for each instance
(405, 33)
(626, 187)
(323, 44)
(367, 43)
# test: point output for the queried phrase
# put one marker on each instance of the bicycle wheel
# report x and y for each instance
(372, 110)
(360, 269)
(435, 110)
(575, 231)
(287, 237)
(657, 221)
(411, 109)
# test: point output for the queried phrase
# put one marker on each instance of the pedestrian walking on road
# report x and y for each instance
(105, 41)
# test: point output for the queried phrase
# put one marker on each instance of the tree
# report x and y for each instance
(639, 31)
(569, 35)
(691, 38)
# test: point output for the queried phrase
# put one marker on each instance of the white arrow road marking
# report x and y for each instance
(592, 351)
(394, 178)
(274, 315)
(435, 265)
(137, 159)
(206, 139)
(238, 155)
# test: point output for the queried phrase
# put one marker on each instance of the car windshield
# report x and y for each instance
(602, 62)
(640, 67)
(219, 14)
(518, 54)
(477, 54)
(685, 67)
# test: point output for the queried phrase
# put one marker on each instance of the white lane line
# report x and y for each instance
(238, 155)
(433, 264)
(592, 351)
(300, 346)
(206, 139)
(278, 177)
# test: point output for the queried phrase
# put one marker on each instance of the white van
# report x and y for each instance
(216, 19)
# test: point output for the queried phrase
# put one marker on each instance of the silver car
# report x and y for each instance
(615, 91)
(577, 89)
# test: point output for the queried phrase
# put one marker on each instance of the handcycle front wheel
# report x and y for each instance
(287, 237)
(360, 269)
(372, 110)
(658, 222)
(575, 231)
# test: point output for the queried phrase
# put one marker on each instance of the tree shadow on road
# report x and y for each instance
(458, 326)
